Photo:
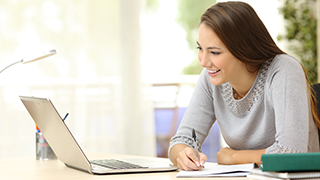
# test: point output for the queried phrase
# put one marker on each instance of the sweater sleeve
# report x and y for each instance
(199, 114)
(290, 99)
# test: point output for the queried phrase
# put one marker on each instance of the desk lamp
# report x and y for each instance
(32, 58)
(48, 151)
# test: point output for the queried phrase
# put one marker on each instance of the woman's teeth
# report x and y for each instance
(213, 71)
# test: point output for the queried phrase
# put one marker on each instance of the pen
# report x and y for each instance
(65, 116)
(196, 145)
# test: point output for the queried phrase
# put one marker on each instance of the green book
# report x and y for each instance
(291, 162)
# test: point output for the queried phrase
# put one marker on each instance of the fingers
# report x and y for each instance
(187, 160)
(203, 159)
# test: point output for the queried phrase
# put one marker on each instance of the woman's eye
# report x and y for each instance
(199, 48)
(215, 53)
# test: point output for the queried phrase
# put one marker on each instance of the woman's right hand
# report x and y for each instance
(185, 158)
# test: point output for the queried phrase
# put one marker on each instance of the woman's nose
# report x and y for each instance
(204, 61)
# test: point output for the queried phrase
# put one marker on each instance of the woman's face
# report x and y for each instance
(215, 57)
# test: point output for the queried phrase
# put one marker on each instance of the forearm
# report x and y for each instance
(230, 156)
(248, 156)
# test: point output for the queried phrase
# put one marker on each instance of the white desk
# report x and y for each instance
(29, 168)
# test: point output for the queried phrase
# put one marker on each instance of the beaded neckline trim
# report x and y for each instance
(244, 105)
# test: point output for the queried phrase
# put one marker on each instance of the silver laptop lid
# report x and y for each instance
(66, 147)
(56, 132)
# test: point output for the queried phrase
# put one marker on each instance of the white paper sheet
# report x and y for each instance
(213, 169)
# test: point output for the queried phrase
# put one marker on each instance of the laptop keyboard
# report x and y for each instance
(116, 164)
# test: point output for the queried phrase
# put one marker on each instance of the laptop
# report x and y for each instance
(66, 148)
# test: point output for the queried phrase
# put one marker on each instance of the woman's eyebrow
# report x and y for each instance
(211, 47)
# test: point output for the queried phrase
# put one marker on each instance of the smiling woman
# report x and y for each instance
(259, 95)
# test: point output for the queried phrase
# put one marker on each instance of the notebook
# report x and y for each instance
(284, 175)
(218, 170)
(68, 150)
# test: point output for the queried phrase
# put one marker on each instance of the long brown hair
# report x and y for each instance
(246, 37)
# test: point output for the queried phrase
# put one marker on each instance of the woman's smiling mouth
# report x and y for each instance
(213, 73)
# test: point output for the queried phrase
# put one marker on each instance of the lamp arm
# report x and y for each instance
(32, 59)
(11, 65)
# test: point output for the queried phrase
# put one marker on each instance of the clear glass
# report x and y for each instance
(43, 150)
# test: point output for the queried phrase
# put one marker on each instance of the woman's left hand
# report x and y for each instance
(225, 156)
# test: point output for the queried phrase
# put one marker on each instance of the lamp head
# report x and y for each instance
(38, 57)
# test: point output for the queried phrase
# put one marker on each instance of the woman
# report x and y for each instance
(259, 96)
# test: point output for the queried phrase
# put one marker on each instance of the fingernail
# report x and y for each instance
(202, 163)
(197, 163)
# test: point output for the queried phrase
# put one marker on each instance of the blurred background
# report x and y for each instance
(124, 69)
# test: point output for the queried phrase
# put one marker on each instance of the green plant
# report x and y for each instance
(301, 33)
(152, 5)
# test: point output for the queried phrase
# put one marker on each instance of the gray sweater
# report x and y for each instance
(275, 114)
